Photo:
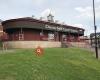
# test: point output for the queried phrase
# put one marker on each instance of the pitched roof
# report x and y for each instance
(40, 21)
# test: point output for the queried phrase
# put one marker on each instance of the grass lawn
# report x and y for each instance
(55, 64)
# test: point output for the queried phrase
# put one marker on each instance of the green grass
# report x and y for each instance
(55, 64)
(0, 44)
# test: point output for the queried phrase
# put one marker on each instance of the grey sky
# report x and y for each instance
(73, 12)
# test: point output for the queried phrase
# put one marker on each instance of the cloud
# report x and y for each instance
(21, 2)
(97, 1)
(78, 25)
(38, 2)
(88, 29)
(19, 8)
(87, 12)
(84, 12)
(46, 12)
(63, 10)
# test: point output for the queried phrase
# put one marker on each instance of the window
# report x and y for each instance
(21, 36)
(50, 36)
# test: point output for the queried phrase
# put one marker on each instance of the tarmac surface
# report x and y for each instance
(93, 50)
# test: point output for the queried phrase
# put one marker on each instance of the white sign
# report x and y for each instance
(57, 28)
(50, 36)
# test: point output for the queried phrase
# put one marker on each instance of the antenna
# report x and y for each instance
(33, 16)
(50, 17)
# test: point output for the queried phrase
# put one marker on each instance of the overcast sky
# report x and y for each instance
(72, 12)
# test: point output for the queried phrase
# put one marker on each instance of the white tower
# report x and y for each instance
(50, 18)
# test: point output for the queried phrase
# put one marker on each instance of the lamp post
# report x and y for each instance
(95, 28)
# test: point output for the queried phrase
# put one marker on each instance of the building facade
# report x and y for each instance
(30, 29)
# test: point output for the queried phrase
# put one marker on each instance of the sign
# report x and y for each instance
(50, 27)
(39, 51)
(50, 36)
(60, 28)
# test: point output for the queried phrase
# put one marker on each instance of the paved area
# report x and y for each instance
(92, 49)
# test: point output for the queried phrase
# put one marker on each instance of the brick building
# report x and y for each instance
(29, 32)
